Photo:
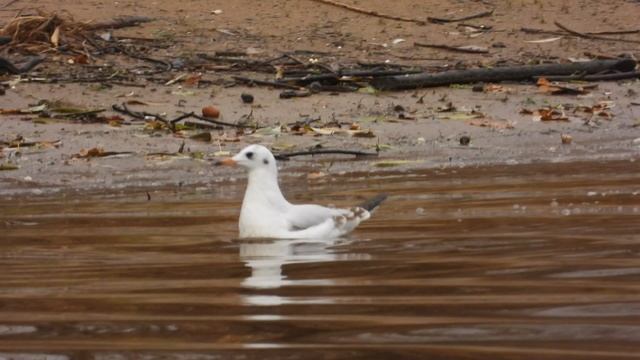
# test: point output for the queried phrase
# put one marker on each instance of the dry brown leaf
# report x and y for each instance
(563, 89)
(88, 153)
(601, 109)
(547, 114)
(363, 133)
(193, 80)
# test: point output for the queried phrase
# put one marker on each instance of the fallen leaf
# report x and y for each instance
(548, 114)
(55, 37)
(155, 125)
(495, 88)
(81, 59)
(8, 166)
(280, 146)
(362, 133)
(557, 89)
(203, 136)
(368, 90)
(221, 153)
(193, 80)
(601, 109)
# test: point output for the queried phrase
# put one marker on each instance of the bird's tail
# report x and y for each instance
(372, 203)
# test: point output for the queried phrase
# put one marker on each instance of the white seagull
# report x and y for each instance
(267, 214)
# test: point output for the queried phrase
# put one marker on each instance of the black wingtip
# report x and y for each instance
(374, 202)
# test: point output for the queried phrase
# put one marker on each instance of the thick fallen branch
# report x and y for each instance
(370, 12)
(437, 20)
(514, 73)
(287, 156)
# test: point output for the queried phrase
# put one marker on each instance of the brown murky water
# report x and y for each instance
(520, 262)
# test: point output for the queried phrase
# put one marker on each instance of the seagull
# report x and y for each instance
(266, 213)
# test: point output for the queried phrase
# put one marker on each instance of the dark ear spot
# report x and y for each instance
(265, 161)
(249, 155)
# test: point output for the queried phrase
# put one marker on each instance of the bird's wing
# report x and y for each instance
(305, 216)
(332, 227)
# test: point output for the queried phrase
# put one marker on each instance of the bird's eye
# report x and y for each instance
(249, 155)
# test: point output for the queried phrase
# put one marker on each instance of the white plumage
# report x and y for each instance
(267, 214)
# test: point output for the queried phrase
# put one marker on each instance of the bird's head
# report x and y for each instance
(252, 157)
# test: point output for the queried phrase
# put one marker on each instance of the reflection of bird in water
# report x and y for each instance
(266, 258)
(267, 214)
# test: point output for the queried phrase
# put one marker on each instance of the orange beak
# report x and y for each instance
(225, 162)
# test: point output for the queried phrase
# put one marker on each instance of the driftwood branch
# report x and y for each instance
(371, 12)
(514, 73)
(437, 20)
(286, 156)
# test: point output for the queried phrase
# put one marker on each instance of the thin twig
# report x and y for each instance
(265, 82)
(464, 49)
(596, 77)
(593, 37)
(371, 12)
(437, 20)
(142, 115)
(286, 156)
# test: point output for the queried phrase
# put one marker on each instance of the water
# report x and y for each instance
(518, 262)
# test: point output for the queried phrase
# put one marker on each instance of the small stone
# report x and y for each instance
(566, 139)
(465, 140)
(246, 98)
(211, 112)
